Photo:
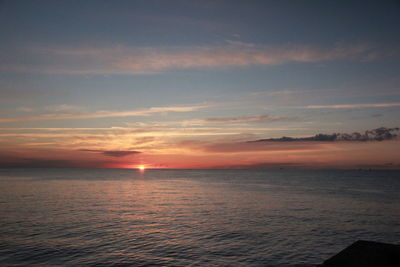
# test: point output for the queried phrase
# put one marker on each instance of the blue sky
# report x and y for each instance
(226, 70)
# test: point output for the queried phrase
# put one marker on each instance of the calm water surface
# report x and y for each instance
(96, 217)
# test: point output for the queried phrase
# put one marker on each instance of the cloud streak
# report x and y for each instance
(355, 106)
(238, 119)
(144, 60)
(254, 118)
(105, 114)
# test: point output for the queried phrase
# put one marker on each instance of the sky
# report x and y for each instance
(200, 84)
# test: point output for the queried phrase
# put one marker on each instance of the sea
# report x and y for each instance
(127, 217)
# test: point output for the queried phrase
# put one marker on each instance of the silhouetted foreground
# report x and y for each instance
(366, 254)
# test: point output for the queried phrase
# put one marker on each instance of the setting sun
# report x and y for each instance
(141, 167)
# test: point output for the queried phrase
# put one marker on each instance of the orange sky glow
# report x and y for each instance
(225, 155)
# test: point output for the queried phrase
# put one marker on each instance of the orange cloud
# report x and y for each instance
(106, 114)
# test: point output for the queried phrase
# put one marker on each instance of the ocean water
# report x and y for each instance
(104, 217)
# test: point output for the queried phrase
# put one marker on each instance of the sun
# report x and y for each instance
(141, 167)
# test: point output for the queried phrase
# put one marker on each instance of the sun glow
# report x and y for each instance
(141, 167)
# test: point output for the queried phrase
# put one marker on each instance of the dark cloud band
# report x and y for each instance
(378, 134)
(112, 153)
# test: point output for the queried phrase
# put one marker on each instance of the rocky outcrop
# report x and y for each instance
(366, 254)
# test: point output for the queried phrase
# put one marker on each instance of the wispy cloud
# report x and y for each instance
(238, 119)
(142, 60)
(254, 118)
(106, 114)
(351, 106)
(285, 92)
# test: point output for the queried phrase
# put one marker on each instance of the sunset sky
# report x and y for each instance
(199, 84)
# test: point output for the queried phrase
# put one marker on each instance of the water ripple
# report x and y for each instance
(191, 218)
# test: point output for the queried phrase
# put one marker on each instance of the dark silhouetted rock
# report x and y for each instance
(366, 254)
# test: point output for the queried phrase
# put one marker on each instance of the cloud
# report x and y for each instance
(254, 118)
(144, 140)
(379, 134)
(351, 106)
(144, 60)
(105, 114)
(11, 161)
(239, 119)
(240, 147)
(253, 147)
(285, 92)
(40, 163)
(319, 142)
(112, 153)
